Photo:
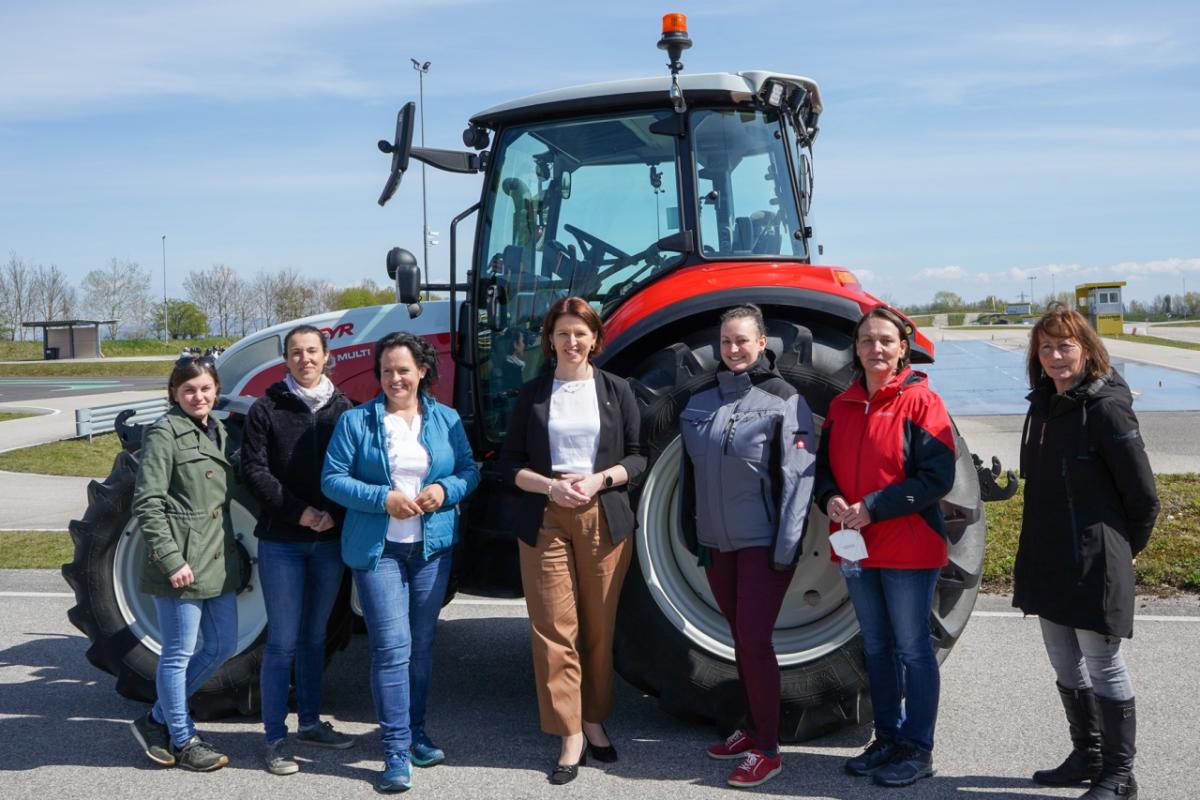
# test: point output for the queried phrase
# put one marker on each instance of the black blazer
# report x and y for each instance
(527, 444)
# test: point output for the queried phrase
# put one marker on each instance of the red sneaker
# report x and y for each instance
(736, 746)
(755, 770)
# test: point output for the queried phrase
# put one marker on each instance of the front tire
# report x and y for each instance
(121, 621)
(672, 640)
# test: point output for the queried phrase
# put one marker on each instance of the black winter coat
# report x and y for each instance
(283, 450)
(1090, 504)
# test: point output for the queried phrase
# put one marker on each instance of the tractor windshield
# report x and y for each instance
(580, 207)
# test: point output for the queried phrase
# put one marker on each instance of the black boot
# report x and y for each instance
(1083, 721)
(1118, 731)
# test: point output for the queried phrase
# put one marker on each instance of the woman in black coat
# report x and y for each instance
(1090, 504)
(299, 538)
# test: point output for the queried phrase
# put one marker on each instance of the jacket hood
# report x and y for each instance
(763, 369)
(1110, 385)
(903, 380)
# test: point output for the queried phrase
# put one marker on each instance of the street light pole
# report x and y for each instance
(422, 68)
(166, 316)
(1032, 278)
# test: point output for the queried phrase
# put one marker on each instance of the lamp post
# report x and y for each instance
(422, 68)
(1032, 278)
(166, 316)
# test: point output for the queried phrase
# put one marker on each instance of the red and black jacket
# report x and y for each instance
(895, 453)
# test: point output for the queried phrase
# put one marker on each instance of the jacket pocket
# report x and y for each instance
(747, 434)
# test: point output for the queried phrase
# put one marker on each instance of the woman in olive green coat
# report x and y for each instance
(181, 503)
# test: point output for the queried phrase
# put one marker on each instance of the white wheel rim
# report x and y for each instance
(817, 617)
(137, 607)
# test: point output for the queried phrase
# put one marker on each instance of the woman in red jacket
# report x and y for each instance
(886, 459)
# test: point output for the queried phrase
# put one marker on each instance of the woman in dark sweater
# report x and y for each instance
(299, 556)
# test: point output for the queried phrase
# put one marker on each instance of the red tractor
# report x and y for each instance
(662, 201)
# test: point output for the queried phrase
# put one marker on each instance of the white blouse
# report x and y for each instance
(408, 461)
(574, 426)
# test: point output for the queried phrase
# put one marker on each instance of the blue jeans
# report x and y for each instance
(182, 670)
(401, 601)
(300, 582)
(893, 608)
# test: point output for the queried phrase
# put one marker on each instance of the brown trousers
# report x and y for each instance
(572, 582)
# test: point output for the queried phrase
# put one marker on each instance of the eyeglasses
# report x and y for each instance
(203, 361)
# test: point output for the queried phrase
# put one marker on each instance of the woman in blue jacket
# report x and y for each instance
(400, 465)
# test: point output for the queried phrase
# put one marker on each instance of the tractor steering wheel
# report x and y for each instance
(592, 246)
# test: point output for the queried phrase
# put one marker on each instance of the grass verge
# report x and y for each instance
(117, 348)
(74, 457)
(35, 549)
(5, 416)
(1171, 562)
(1127, 337)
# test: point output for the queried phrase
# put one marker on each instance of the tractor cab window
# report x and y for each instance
(747, 202)
(574, 207)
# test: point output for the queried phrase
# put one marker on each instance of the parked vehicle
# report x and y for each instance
(662, 201)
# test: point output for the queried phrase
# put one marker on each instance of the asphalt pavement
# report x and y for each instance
(24, 390)
(64, 730)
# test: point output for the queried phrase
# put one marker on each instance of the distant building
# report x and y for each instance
(1101, 303)
(1019, 309)
(70, 338)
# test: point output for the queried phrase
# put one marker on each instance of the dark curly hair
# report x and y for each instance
(423, 353)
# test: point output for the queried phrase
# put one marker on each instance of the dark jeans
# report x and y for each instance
(750, 593)
(401, 601)
(300, 582)
(893, 608)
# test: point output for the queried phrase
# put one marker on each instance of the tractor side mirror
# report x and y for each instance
(402, 268)
(400, 149)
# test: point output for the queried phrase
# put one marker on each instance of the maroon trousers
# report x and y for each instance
(750, 593)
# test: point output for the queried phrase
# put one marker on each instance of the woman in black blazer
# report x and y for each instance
(573, 446)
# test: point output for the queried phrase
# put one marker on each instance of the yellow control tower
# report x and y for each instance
(1101, 303)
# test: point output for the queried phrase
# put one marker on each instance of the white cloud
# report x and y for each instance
(950, 273)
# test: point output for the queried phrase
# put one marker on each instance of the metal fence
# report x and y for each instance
(100, 419)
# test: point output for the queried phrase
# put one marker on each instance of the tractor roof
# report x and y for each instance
(596, 98)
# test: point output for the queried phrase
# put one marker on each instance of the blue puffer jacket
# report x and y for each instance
(356, 476)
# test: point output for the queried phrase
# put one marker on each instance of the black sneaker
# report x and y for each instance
(200, 756)
(154, 739)
(908, 765)
(878, 753)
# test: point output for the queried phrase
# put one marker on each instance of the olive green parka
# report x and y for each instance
(181, 502)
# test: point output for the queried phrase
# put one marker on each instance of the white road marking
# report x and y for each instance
(1136, 617)
(36, 594)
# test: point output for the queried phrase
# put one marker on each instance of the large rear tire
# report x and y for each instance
(671, 639)
(121, 621)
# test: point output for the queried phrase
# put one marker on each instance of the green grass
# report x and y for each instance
(1125, 337)
(923, 321)
(73, 457)
(5, 416)
(35, 549)
(87, 369)
(1171, 562)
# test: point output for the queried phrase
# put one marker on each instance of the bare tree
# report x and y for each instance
(294, 296)
(17, 279)
(120, 291)
(215, 291)
(51, 295)
(325, 296)
(262, 289)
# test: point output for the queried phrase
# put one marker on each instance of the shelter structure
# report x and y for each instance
(70, 338)
(1101, 303)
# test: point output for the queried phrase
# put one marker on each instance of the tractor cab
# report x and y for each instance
(600, 190)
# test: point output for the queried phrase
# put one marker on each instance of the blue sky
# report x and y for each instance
(964, 145)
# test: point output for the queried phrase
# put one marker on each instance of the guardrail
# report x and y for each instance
(101, 419)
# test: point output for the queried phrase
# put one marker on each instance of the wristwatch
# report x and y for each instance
(608, 481)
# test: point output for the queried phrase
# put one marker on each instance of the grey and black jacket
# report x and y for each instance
(749, 459)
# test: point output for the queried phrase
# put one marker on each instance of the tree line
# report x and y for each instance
(1163, 306)
(216, 301)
